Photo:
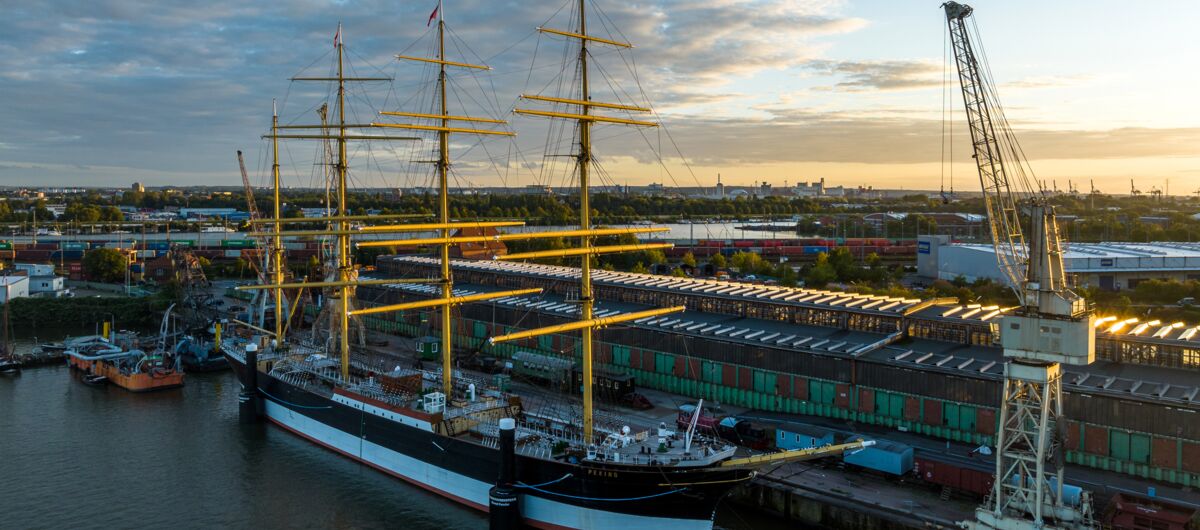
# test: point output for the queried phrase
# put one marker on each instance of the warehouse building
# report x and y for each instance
(925, 366)
(1109, 266)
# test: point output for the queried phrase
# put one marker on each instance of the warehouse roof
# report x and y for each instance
(1115, 250)
(716, 288)
(1146, 382)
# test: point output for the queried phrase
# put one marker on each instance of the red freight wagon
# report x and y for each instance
(1130, 512)
(974, 478)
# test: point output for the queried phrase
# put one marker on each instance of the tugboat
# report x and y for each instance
(199, 355)
(441, 430)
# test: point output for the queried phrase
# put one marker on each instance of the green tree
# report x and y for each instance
(689, 259)
(718, 261)
(821, 273)
(639, 267)
(656, 257)
(843, 264)
(105, 264)
(82, 213)
(787, 275)
(746, 262)
(171, 291)
(111, 213)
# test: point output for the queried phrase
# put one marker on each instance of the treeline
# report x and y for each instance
(36, 312)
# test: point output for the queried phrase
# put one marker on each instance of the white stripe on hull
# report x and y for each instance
(466, 488)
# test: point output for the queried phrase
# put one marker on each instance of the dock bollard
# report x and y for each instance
(504, 512)
(248, 398)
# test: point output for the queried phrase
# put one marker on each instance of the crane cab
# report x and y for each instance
(1070, 341)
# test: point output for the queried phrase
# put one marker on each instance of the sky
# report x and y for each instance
(108, 92)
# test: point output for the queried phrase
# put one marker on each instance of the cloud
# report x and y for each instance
(173, 86)
(883, 138)
(879, 75)
(164, 92)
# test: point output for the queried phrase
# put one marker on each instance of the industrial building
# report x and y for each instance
(931, 367)
(13, 286)
(1109, 266)
(42, 280)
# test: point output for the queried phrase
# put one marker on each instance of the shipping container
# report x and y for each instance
(885, 457)
(801, 436)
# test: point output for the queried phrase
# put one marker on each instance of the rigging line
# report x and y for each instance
(662, 124)
(414, 42)
(315, 61)
(950, 110)
(989, 86)
(365, 61)
(610, 25)
(945, 83)
(510, 46)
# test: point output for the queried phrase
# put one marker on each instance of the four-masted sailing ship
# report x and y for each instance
(440, 429)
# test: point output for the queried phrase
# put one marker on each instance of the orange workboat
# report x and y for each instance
(126, 366)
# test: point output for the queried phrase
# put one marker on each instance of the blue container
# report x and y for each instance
(885, 457)
(801, 436)
(1071, 495)
(814, 250)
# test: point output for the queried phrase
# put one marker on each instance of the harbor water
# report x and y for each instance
(78, 456)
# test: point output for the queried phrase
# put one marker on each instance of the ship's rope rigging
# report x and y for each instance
(558, 140)
(947, 122)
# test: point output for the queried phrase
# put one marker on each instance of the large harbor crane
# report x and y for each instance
(1053, 325)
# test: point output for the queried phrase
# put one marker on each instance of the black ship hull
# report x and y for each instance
(553, 494)
(211, 364)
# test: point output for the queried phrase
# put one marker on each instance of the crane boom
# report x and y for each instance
(989, 154)
(250, 204)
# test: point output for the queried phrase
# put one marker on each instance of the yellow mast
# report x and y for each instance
(443, 169)
(585, 210)
(343, 239)
(346, 278)
(276, 256)
(444, 210)
(588, 323)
